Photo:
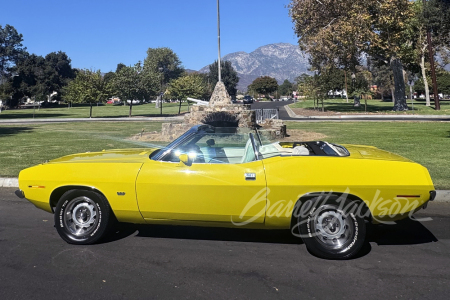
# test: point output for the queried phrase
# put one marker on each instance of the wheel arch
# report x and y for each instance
(329, 195)
(59, 191)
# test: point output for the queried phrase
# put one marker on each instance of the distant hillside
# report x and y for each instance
(281, 61)
(189, 71)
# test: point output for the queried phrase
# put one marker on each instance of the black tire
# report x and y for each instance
(82, 217)
(332, 229)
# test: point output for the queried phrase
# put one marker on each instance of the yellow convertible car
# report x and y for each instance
(210, 176)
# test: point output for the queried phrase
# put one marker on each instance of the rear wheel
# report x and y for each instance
(332, 230)
(82, 217)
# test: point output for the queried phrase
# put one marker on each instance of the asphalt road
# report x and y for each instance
(410, 260)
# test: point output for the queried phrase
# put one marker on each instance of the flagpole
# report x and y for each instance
(218, 36)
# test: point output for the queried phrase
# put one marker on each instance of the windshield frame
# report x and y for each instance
(163, 152)
(175, 143)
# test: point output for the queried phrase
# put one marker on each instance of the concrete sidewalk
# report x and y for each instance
(361, 117)
(64, 120)
(441, 196)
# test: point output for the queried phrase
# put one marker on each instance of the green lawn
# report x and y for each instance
(427, 143)
(374, 106)
(102, 111)
(25, 145)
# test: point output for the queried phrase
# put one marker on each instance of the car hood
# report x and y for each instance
(108, 156)
(370, 152)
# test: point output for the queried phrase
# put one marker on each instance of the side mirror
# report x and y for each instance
(185, 159)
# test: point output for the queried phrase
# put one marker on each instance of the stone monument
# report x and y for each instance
(221, 112)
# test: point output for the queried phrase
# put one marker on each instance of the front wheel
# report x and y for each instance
(82, 217)
(332, 229)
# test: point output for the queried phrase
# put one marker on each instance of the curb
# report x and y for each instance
(441, 195)
(293, 115)
(290, 112)
(9, 182)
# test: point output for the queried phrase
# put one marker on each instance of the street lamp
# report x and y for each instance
(161, 69)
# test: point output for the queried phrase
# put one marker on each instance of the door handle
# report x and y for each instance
(250, 176)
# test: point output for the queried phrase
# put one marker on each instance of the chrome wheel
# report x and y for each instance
(332, 227)
(81, 216)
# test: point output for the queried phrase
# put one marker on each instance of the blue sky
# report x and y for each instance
(100, 34)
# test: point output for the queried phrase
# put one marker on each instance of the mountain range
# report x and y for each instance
(280, 61)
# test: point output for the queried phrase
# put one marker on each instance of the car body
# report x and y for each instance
(248, 99)
(233, 178)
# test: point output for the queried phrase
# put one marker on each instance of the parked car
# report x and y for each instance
(134, 102)
(209, 176)
(248, 99)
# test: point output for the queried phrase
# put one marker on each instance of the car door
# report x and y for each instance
(213, 191)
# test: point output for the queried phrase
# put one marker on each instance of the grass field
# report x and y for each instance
(22, 146)
(373, 106)
(102, 111)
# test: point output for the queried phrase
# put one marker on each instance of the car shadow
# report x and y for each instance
(404, 232)
(124, 230)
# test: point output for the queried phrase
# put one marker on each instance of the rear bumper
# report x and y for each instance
(432, 195)
(20, 194)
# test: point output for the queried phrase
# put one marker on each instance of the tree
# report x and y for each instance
(303, 83)
(332, 79)
(56, 74)
(108, 77)
(229, 76)
(337, 32)
(433, 16)
(192, 85)
(132, 83)
(443, 81)
(286, 88)
(11, 50)
(382, 78)
(119, 67)
(163, 62)
(436, 14)
(39, 77)
(265, 85)
(87, 87)
(30, 77)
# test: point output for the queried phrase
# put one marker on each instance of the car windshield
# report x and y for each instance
(212, 145)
